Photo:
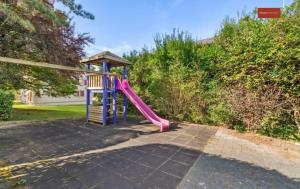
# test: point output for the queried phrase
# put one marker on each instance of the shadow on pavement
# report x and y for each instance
(38, 141)
(147, 166)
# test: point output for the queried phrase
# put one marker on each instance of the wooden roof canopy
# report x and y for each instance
(106, 56)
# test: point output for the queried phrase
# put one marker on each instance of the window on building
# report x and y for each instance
(81, 93)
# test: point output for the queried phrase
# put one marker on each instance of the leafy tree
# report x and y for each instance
(35, 30)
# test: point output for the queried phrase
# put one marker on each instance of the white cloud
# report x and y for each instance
(119, 49)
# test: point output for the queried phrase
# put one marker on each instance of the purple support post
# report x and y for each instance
(124, 96)
(115, 100)
(109, 90)
(104, 100)
(87, 67)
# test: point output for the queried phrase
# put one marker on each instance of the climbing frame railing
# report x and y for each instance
(95, 81)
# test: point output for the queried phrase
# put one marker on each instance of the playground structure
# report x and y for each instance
(107, 85)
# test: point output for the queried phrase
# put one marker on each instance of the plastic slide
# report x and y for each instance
(141, 106)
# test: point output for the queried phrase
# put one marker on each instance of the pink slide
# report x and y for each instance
(141, 106)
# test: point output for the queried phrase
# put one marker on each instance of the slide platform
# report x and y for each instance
(142, 107)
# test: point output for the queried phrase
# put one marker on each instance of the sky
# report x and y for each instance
(124, 25)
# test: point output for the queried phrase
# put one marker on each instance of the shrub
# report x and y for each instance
(6, 103)
(177, 77)
(251, 107)
(220, 114)
(282, 126)
(239, 126)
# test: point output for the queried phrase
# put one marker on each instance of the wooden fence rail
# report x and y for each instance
(48, 65)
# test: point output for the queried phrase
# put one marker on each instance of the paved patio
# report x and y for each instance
(73, 154)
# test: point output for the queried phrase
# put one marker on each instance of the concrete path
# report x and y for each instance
(72, 154)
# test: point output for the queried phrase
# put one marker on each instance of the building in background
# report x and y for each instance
(29, 97)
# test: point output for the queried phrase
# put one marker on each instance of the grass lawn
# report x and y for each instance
(28, 112)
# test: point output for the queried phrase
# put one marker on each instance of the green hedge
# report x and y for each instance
(247, 79)
(6, 103)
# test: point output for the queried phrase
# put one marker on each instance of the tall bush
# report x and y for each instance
(260, 70)
(177, 77)
(248, 78)
(6, 103)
